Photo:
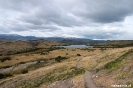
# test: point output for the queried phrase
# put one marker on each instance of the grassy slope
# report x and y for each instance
(112, 64)
(117, 71)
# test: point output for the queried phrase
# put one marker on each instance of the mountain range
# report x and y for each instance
(68, 40)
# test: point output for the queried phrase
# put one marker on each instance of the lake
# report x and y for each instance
(74, 46)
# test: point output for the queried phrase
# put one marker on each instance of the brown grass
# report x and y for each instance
(91, 60)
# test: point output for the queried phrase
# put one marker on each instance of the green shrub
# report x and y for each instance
(21, 62)
(113, 65)
(4, 59)
(24, 71)
(59, 58)
(4, 75)
(78, 55)
(97, 70)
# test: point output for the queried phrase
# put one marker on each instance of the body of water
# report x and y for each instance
(74, 46)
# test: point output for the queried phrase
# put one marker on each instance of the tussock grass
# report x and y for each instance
(4, 75)
(41, 62)
(2, 59)
(60, 58)
(117, 63)
(60, 73)
(122, 75)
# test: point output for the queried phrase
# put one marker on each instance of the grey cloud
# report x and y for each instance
(92, 9)
(16, 25)
(52, 15)
(103, 35)
(18, 5)
(33, 20)
(28, 27)
(56, 12)
(106, 11)
(44, 27)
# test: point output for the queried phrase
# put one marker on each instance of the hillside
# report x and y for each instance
(48, 67)
(115, 43)
(18, 46)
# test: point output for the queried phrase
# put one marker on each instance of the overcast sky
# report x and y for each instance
(93, 19)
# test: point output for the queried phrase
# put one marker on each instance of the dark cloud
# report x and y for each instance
(97, 32)
(52, 15)
(105, 11)
(103, 35)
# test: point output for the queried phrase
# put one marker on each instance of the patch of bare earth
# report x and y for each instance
(88, 80)
(13, 81)
(75, 82)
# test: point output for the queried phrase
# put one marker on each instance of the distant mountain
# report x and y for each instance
(67, 40)
(17, 37)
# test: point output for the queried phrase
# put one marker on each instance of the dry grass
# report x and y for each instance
(122, 75)
(27, 57)
(74, 82)
(91, 60)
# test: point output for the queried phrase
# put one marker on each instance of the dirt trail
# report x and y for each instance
(88, 80)
(87, 76)
(78, 62)
(68, 83)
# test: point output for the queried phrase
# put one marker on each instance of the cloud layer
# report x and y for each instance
(99, 19)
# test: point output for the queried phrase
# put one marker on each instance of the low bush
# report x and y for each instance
(21, 62)
(78, 55)
(4, 75)
(59, 58)
(24, 71)
(2, 59)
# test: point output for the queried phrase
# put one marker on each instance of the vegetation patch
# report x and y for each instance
(24, 71)
(57, 74)
(122, 75)
(27, 50)
(78, 55)
(88, 49)
(117, 63)
(40, 64)
(60, 58)
(119, 45)
(4, 75)
(2, 59)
